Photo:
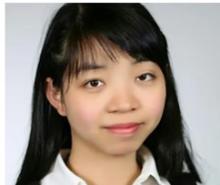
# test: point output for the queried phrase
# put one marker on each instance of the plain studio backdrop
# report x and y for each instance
(193, 34)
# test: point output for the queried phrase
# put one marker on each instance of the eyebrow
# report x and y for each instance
(89, 67)
(139, 61)
(93, 66)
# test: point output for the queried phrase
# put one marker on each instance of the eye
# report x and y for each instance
(146, 77)
(93, 83)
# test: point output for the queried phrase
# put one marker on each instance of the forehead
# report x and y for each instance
(97, 53)
(93, 51)
(102, 62)
(99, 50)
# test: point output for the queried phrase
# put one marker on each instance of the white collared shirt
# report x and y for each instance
(61, 174)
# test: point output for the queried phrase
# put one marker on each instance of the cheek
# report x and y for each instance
(87, 115)
(157, 105)
(154, 104)
(82, 114)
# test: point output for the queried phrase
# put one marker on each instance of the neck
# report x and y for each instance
(97, 168)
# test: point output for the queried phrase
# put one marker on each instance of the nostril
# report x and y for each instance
(122, 108)
(123, 102)
(133, 109)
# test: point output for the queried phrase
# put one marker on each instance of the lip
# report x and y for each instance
(123, 128)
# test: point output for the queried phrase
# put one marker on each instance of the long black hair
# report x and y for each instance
(70, 36)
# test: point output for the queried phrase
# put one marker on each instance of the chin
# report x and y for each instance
(123, 150)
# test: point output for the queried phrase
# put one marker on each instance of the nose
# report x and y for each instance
(123, 101)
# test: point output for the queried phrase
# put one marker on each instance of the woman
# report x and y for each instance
(104, 92)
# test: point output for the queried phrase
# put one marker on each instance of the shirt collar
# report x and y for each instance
(61, 174)
(149, 169)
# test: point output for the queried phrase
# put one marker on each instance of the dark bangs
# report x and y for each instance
(131, 30)
(77, 35)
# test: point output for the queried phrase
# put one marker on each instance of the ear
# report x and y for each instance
(54, 96)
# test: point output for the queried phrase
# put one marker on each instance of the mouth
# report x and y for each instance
(123, 128)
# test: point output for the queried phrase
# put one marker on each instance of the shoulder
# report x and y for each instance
(60, 173)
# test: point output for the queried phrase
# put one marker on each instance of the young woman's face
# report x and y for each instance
(122, 92)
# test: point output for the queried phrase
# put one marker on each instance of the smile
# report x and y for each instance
(123, 129)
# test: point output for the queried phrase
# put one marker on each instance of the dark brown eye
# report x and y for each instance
(93, 83)
(146, 77)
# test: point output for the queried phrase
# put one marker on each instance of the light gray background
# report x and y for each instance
(193, 34)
